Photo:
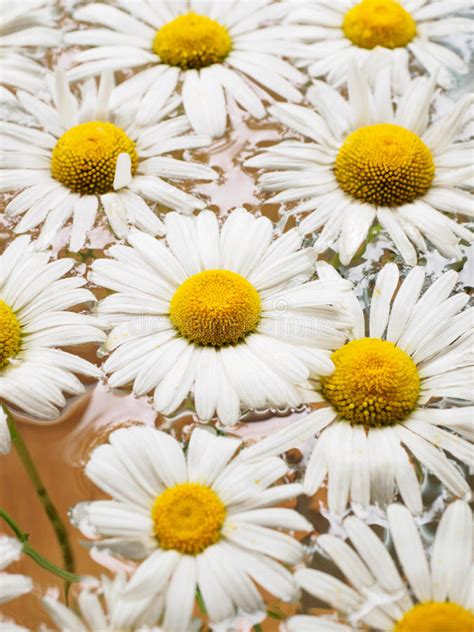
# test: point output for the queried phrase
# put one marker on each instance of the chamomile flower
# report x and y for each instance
(378, 421)
(82, 156)
(100, 607)
(202, 519)
(388, 34)
(202, 49)
(364, 161)
(34, 299)
(226, 313)
(434, 595)
(11, 585)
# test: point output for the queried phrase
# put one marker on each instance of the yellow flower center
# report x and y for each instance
(192, 41)
(374, 23)
(85, 157)
(384, 165)
(188, 518)
(215, 307)
(433, 616)
(375, 383)
(10, 334)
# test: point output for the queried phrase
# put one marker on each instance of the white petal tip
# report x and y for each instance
(5, 437)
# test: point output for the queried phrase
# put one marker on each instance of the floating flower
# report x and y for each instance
(202, 519)
(209, 48)
(12, 585)
(227, 313)
(363, 161)
(418, 347)
(34, 299)
(101, 607)
(384, 34)
(436, 595)
(83, 156)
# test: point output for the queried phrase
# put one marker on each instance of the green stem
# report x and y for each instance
(31, 552)
(200, 601)
(40, 489)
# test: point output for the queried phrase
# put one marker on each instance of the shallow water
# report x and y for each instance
(61, 449)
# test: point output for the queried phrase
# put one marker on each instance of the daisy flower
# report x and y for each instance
(100, 607)
(387, 34)
(204, 521)
(224, 312)
(11, 585)
(83, 156)
(434, 594)
(208, 48)
(377, 420)
(364, 161)
(34, 299)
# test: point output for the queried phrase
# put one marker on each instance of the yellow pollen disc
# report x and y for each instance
(188, 518)
(215, 307)
(433, 616)
(375, 383)
(374, 23)
(85, 157)
(10, 334)
(192, 41)
(384, 165)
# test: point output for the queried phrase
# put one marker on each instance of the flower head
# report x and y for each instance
(202, 518)
(203, 51)
(364, 161)
(388, 34)
(225, 312)
(435, 595)
(84, 156)
(35, 298)
(378, 417)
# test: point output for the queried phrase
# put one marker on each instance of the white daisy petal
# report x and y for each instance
(329, 589)
(180, 594)
(410, 552)
(452, 552)
(376, 556)
(434, 460)
(385, 286)
(305, 623)
(216, 600)
(207, 456)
